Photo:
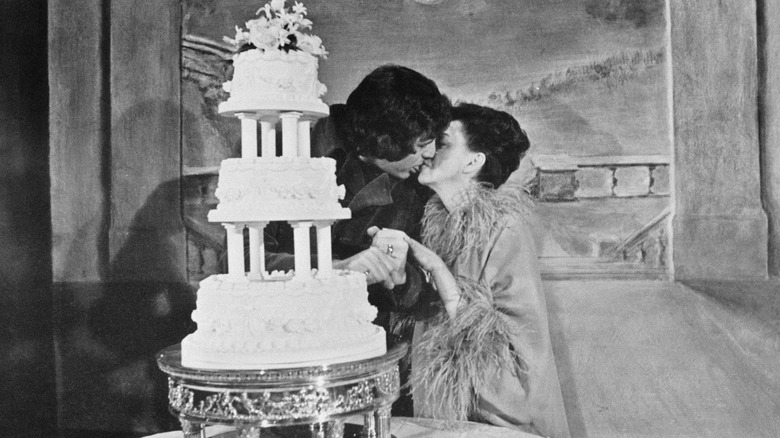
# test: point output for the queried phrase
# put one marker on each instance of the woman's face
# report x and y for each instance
(452, 156)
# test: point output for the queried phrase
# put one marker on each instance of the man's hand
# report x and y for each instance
(392, 243)
(374, 263)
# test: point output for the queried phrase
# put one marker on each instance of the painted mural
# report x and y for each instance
(587, 79)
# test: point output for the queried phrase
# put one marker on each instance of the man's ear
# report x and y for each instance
(475, 163)
(384, 143)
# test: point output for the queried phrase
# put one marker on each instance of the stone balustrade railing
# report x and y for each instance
(561, 178)
(648, 245)
(564, 178)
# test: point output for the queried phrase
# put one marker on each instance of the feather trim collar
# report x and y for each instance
(471, 224)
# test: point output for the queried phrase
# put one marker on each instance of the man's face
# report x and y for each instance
(424, 149)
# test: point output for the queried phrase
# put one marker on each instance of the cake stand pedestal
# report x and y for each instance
(320, 397)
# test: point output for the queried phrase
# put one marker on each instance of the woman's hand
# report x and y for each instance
(426, 258)
(372, 262)
(393, 244)
(443, 279)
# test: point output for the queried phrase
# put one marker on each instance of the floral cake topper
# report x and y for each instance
(278, 28)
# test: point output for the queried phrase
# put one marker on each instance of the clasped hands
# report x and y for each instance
(385, 261)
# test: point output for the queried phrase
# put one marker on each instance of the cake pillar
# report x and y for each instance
(324, 250)
(302, 248)
(304, 138)
(268, 135)
(235, 244)
(257, 248)
(290, 133)
(248, 136)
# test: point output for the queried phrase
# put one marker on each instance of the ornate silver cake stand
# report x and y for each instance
(251, 400)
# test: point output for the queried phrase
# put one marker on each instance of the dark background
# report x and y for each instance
(27, 370)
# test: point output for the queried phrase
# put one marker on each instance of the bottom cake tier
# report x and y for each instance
(247, 322)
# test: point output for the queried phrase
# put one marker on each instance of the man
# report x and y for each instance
(379, 140)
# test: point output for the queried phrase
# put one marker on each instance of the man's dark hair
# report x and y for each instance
(496, 134)
(390, 109)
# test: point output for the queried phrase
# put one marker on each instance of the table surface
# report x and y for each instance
(400, 427)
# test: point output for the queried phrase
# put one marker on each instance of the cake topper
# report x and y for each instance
(278, 28)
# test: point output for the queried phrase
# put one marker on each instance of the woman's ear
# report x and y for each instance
(475, 163)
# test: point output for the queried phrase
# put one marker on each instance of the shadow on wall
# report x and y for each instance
(108, 332)
(136, 319)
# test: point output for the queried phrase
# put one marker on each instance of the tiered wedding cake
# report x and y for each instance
(255, 319)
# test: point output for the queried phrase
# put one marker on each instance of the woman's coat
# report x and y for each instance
(493, 362)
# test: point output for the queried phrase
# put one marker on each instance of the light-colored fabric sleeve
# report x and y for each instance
(529, 393)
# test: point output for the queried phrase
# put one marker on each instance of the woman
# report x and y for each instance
(483, 353)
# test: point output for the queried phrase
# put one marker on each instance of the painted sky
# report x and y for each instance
(470, 47)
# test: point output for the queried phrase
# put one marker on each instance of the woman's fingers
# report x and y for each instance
(379, 258)
(389, 240)
(394, 249)
(411, 242)
(393, 243)
(378, 266)
(414, 245)
(427, 259)
(368, 262)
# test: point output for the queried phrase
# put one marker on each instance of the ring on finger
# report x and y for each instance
(389, 249)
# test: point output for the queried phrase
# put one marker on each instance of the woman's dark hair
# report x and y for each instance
(390, 109)
(497, 135)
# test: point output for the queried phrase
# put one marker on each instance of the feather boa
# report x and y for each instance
(454, 355)
(467, 227)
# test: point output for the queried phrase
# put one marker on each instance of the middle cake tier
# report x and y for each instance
(278, 189)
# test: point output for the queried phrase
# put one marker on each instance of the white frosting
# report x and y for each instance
(274, 76)
(245, 322)
(278, 188)
(279, 320)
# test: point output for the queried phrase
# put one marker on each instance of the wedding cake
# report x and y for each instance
(251, 318)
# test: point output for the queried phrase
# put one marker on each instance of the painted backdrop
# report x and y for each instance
(587, 79)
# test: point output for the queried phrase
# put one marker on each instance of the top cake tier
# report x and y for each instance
(274, 80)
